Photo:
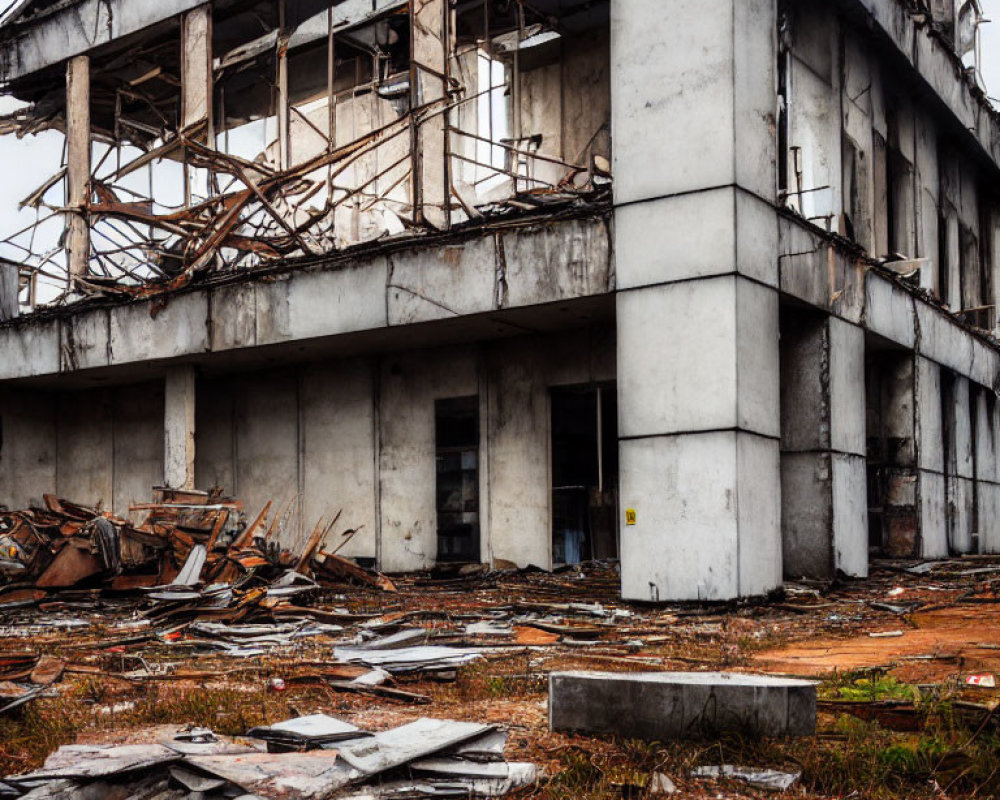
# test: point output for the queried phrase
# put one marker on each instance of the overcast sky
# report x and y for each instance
(26, 163)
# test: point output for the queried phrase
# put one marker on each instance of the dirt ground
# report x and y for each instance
(897, 717)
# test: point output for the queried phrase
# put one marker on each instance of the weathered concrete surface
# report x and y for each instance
(27, 446)
(358, 434)
(824, 511)
(178, 428)
(521, 269)
(80, 27)
(666, 705)
(517, 377)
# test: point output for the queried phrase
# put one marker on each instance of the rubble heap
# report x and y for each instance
(188, 539)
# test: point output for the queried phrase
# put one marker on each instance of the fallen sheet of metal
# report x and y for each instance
(307, 732)
(95, 761)
(409, 659)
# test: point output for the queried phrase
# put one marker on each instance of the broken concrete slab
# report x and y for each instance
(669, 705)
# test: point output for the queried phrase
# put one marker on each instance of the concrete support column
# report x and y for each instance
(901, 510)
(986, 429)
(196, 67)
(824, 513)
(78, 165)
(9, 286)
(178, 428)
(697, 308)
(959, 468)
(430, 44)
(930, 460)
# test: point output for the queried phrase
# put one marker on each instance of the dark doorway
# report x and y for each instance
(457, 440)
(584, 474)
(893, 528)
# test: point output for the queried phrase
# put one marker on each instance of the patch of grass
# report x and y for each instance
(499, 680)
(27, 739)
(869, 687)
(225, 711)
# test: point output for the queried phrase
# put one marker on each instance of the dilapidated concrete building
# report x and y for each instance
(707, 286)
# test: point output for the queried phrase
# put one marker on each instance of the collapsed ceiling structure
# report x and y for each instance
(238, 135)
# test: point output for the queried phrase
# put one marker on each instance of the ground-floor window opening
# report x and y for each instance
(584, 474)
(457, 442)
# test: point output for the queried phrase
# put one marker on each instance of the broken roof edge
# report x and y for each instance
(578, 209)
(853, 251)
(935, 64)
(75, 27)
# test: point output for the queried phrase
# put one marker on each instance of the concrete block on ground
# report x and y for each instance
(668, 705)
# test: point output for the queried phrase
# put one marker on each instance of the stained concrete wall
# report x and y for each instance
(409, 385)
(358, 434)
(97, 446)
(27, 447)
(85, 464)
(824, 513)
(986, 427)
(338, 433)
(518, 376)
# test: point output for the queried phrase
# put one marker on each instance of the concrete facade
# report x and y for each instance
(788, 299)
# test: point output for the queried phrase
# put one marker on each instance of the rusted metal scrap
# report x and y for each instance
(187, 539)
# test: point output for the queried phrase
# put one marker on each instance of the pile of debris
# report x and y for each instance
(188, 539)
(315, 756)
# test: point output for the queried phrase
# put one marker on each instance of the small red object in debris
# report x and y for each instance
(116, 649)
(173, 636)
(987, 681)
(277, 684)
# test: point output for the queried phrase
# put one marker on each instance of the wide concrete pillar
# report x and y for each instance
(178, 428)
(693, 98)
(823, 495)
(78, 166)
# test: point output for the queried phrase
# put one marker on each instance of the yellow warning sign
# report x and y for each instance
(630, 516)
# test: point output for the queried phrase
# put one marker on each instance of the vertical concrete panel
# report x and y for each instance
(677, 357)
(755, 58)
(807, 514)
(986, 433)
(847, 387)
(684, 543)
(989, 518)
(850, 515)
(85, 466)
(758, 404)
(759, 513)
(663, 96)
(27, 447)
(267, 447)
(179, 428)
(138, 444)
(933, 516)
(519, 438)
(961, 456)
(961, 506)
(930, 436)
(824, 508)
(409, 384)
(338, 437)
